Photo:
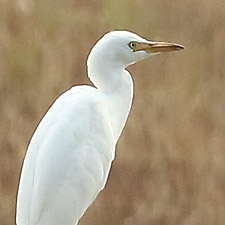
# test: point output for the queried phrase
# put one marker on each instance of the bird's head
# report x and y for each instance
(118, 49)
(123, 48)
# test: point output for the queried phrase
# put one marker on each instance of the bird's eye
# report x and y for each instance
(132, 44)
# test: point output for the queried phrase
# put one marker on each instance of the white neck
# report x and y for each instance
(117, 87)
(120, 100)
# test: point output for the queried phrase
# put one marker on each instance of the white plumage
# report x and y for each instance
(70, 154)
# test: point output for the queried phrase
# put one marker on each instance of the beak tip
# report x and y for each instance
(179, 47)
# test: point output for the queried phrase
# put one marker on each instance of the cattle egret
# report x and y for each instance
(70, 154)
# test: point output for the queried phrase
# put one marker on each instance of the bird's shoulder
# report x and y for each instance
(79, 112)
(79, 98)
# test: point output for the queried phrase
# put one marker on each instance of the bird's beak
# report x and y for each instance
(157, 47)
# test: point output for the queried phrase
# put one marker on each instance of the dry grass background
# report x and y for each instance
(170, 164)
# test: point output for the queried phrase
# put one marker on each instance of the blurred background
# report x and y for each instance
(170, 161)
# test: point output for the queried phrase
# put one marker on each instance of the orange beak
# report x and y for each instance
(157, 47)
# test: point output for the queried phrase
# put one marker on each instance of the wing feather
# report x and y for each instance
(68, 160)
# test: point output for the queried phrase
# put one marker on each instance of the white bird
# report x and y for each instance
(70, 154)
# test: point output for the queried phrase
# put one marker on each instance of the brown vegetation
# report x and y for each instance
(170, 163)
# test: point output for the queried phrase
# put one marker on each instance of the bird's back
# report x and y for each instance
(68, 160)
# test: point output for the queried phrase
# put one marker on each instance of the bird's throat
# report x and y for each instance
(119, 100)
